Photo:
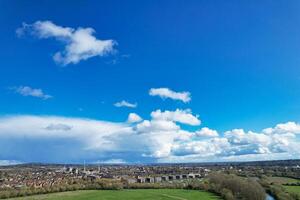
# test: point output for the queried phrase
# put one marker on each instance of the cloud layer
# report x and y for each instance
(158, 139)
(80, 43)
(168, 93)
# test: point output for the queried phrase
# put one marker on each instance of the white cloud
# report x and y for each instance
(168, 93)
(124, 103)
(289, 127)
(260, 143)
(161, 138)
(238, 145)
(91, 133)
(161, 132)
(156, 125)
(182, 116)
(80, 43)
(28, 91)
(206, 132)
(133, 118)
(9, 162)
(203, 148)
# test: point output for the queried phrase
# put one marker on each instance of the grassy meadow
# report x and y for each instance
(282, 180)
(293, 189)
(145, 194)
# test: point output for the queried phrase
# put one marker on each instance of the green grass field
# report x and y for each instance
(282, 180)
(147, 194)
(293, 189)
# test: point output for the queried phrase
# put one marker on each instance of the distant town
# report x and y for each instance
(39, 176)
(28, 179)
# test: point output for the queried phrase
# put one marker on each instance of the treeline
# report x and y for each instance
(277, 190)
(292, 184)
(232, 187)
(99, 184)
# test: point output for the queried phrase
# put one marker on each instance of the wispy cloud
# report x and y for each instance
(124, 103)
(28, 91)
(112, 161)
(168, 93)
(80, 43)
(9, 162)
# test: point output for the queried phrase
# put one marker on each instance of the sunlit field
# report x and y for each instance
(293, 189)
(282, 180)
(157, 194)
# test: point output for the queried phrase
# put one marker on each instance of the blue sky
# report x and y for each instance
(239, 61)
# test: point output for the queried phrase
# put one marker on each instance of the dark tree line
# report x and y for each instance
(232, 187)
(278, 190)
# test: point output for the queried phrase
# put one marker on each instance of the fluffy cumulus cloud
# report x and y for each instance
(168, 93)
(133, 118)
(289, 127)
(201, 148)
(182, 116)
(28, 91)
(161, 138)
(80, 43)
(206, 132)
(261, 143)
(124, 103)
